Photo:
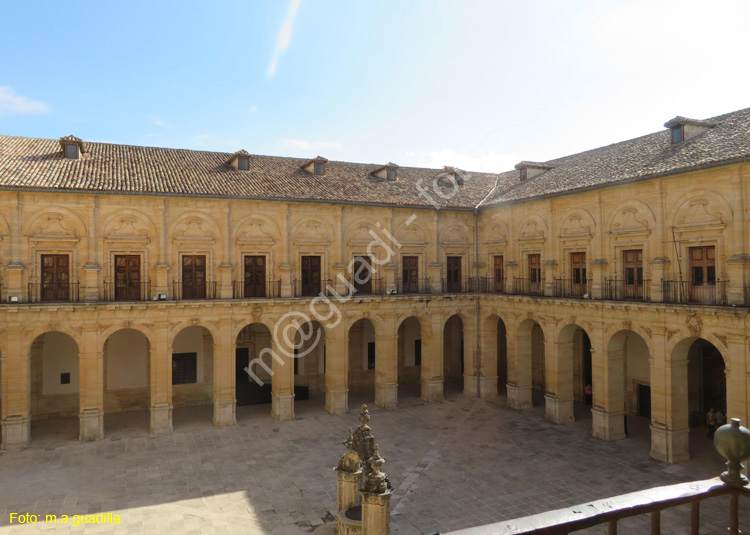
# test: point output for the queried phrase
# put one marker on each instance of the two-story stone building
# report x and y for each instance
(150, 278)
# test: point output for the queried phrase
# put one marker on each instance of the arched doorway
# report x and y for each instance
(126, 381)
(361, 361)
(573, 378)
(192, 375)
(531, 379)
(453, 354)
(409, 357)
(253, 352)
(54, 385)
(630, 384)
(310, 364)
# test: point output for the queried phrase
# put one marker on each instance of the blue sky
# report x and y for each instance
(475, 84)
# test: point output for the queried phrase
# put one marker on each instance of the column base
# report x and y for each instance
(161, 419)
(432, 390)
(282, 406)
(16, 433)
(558, 410)
(337, 401)
(470, 386)
(488, 387)
(608, 426)
(670, 446)
(386, 396)
(225, 412)
(91, 425)
(519, 397)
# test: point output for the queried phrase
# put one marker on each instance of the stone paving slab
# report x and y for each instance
(456, 464)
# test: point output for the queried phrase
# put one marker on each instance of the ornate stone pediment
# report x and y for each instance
(253, 231)
(194, 229)
(630, 221)
(311, 232)
(575, 227)
(54, 227)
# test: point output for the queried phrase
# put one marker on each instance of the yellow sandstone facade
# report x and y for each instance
(637, 289)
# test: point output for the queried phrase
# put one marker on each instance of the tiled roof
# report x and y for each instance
(35, 163)
(637, 158)
(39, 164)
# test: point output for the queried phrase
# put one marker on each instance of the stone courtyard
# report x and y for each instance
(455, 464)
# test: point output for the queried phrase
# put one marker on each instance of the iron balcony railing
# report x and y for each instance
(623, 290)
(139, 291)
(373, 286)
(527, 287)
(411, 287)
(492, 285)
(311, 289)
(185, 291)
(271, 289)
(460, 286)
(688, 292)
(42, 293)
(572, 288)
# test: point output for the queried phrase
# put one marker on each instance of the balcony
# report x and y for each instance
(412, 287)
(461, 286)
(311, 289)
(271, 289)
(492, 285)
(570, 288)
(138, 291)
(185, 291)
(527, 287)
(53, 293)
(688, 292)
(622, 290)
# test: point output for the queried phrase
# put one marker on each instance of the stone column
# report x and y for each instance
(608, 384)
(376, 513)
(92, 267)
(337, 370)
(519, 371)
(225, 401)
(596, 275)
(432, 360)
(670, 431)
(737, 379)
(386, 366)
(550, 271)
(659, 272)
(471, 388)
(161, 379)
(16, 406)
(91, 385)
(488, 377)
(282, 382)
(558, 369)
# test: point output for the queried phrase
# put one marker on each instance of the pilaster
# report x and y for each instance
(282, 383)
(596, 275)
(91, 282)
(225, 401)
(15, 416)
(738, 268)
(386, 368)
(658, 269)
(337, 372)
(519, 372)
(471, 364)
(161, 380)
(91, 392)
(431, 377)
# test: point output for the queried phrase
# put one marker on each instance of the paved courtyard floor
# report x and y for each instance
(456, 464)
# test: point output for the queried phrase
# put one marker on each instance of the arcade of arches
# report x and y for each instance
(667, 376)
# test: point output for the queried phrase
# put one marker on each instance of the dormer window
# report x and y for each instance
(524, 174)
(678, 134)
(391, 175)
(527, 170)
(320, 168)
(71, 151)
(243, 163)
(240, 160)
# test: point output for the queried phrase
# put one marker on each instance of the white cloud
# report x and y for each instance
(254, 108)
(11, 103)
(159, 122)
(481, 160)
(312, 145)
(284, 37)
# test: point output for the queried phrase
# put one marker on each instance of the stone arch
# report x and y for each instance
(253, 346)
(633, 216)
(456, 233)
(494, 340)
(190, 225)
(313, 230)
(534, 227)
(412, 234)
(526, 382)
(54, 380)
(310, 360)
(55, 222)
(129, 223)
(409, 353)
(577, 223)
(256, 227)
(192, 350)
(700, 208)
(362, 355)
(126, 362)
(454, 349)
(574, 374)
(499, 232)
(636, 385)
(176, 328)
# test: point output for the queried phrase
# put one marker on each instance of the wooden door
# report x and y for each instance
(633, 270)
(578, 271)
(194, 277)
(127, 277)
(310, 275)
(454, 274)
(535, 273)
(55, 277)
(362, 277)
(499, 274)
(410, 274)
(255, 276)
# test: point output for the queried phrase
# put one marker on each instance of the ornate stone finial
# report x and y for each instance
(377, 481)
(732, 441)
(364, 415)
(349, 441)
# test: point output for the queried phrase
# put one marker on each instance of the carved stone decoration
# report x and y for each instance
(411, 235)
(349, 462)
(574, 227)
(127, 227)
(498, 234)
(193, 228)
(531, 231)
(53, 226)
(361, 235)
(694, 324)
(697, 212)
(627, 325)
(722, 339)
(629, 220)
(253, 232)
(376, 482)
(311, 232)
(454, 236)
(256, 313)
(647, 330)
